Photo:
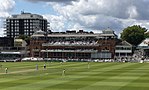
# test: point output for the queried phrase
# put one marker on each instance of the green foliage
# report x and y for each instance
(147, 35)
(134, 34)
(24, 37)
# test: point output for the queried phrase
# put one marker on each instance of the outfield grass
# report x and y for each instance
(78, 76)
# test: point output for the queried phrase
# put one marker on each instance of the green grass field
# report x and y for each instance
(99, 76)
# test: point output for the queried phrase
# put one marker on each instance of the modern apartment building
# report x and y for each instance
(24, 24)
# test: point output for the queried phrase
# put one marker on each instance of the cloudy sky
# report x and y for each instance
(90, 15)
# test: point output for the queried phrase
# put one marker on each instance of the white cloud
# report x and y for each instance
(91, 14)
(101, 14)
(5, 8)
(130, 22)
(60, 1)
(4, 14)
(56, 22)
(132, 11)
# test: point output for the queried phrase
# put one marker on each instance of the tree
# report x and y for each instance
(24, 37)
(134, 34)
(147, 35)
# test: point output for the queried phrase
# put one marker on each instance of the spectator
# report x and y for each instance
(44, 66)
(6, 70)
(36, 66)
(63, 73)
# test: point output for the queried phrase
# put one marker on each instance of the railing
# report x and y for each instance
(69, 50)
(70, 44)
